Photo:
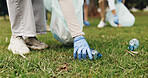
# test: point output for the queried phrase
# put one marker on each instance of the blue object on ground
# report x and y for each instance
(99, 55)
(133, 44)
(96, 54)
(131, 48)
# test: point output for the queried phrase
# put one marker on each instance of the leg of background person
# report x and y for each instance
(40, 16)
(70, 17)
(102, 7)
(86, 13)
(103, 13)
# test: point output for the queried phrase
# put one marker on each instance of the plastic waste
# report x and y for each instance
(96, 54)
(133, 44)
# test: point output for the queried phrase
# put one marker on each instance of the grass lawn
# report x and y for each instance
(58, 61)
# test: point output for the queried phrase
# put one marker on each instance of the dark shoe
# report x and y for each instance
(34, 43)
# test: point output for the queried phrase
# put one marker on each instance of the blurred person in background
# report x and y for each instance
(103, 6)
(86, 4)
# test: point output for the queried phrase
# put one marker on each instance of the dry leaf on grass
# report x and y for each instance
(63, 67)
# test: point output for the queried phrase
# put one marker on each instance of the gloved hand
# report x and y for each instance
(81, 47)
(120, 0)
(116, 19)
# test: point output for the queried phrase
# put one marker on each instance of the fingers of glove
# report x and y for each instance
(75, 52)
(89, 53)
(80, 53)
(84, 53)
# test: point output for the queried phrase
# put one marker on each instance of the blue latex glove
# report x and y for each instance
(81, 48)
(116, 19)
(120, 0)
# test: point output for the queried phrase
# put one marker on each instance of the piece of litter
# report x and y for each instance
(134, 52)
(22, 55)
(130, 53)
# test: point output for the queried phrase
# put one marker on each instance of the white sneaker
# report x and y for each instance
(101, 24)
(18, 46)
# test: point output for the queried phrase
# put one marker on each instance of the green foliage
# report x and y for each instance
(57, 61)
(139, 4)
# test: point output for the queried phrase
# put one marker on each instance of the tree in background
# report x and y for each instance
(3, 9)
(139, 4)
